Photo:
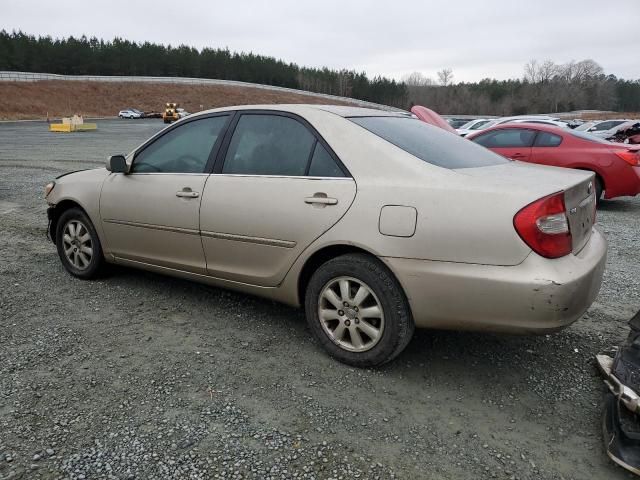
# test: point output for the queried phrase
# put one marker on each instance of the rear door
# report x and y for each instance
(276, 187)
(514, 143)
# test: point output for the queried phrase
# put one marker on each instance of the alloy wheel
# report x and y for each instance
(351, 314)
(77, 244)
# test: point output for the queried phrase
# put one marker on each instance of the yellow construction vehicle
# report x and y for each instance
(170, 113)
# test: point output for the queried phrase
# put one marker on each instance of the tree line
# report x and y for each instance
(545, 87)
(91, 56)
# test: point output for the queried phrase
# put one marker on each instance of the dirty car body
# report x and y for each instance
(374, 221)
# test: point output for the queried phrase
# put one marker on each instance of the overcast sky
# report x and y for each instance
(476, 38)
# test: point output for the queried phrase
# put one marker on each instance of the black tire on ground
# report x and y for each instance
(599, 190)
(398, 321)
(96, 262)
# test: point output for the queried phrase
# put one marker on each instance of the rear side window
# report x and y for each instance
(269, 145)
(507, 138)
(322, 164)
(546, 139)
(430, 144)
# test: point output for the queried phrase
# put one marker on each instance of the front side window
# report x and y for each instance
(185, 149)
(546, 139)
(264, 144)
(506, 138)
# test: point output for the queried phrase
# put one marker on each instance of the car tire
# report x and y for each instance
(353, 337)
(78, 245)
(599, 190)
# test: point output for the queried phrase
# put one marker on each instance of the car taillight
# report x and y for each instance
(629, 156)
(543, 225)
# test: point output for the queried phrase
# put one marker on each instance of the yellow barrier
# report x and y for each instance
(60, 127)
(68, 127)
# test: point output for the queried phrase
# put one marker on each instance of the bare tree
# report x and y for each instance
(417, 79)
(445, 76)
(544, 72)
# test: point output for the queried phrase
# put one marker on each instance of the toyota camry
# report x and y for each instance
(375, 222)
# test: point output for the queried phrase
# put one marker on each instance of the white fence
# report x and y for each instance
(35, 77)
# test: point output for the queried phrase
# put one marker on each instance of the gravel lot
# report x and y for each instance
(147, 377)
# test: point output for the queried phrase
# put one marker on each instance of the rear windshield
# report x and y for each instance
(430, 144)
(588, 136)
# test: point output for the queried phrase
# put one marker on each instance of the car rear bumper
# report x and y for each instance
(537, 296)
(624, 185)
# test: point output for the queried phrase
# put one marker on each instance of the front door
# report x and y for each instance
(280, 187)
(151, 214)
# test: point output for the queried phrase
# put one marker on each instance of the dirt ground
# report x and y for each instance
(34, 100)
(143, 376)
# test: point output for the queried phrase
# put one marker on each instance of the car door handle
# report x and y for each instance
(321, 200)
(187, 193)
(518, 155)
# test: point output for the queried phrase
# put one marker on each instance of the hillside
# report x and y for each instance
(34, 100)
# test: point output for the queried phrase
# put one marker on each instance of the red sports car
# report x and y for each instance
(616, 165)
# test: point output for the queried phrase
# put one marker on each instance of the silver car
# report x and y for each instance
(375, 222)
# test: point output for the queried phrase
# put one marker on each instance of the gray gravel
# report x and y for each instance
(148, 377)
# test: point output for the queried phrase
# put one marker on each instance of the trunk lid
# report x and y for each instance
(580, 201)
(533, 182)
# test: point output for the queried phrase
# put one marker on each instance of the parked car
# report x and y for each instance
(439, 232)
(472, 126)
(605, 128)
(555, 123)
(617, 166)
(500, 121)
(457, 122)
(130, 113)
(182, 112)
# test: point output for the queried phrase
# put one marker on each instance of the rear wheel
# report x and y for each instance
(78, 244)
(599, 189)
(357, 310)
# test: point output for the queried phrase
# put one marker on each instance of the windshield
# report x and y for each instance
(430, 144)
(477, 125)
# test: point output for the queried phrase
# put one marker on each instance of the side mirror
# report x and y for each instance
(117, 164)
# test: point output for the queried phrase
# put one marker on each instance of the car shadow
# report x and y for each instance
(443, 354)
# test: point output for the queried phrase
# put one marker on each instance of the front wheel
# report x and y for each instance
(357, 310)
(78, 244)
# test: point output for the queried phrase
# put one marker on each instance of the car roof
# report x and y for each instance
(340, 110)
(545, 127)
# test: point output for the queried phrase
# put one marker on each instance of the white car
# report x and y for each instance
(130, 113)
(523, 118)
(472, 126)
(555, 123)
(182, 112)
(608, 128)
